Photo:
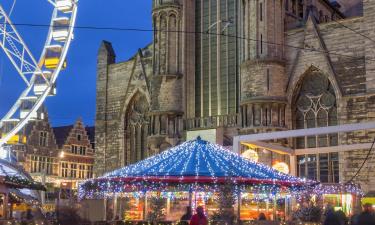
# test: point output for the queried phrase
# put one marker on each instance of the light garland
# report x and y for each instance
(192, 166)
(23, 183)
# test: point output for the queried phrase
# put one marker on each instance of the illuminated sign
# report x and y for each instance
(281, 167)
(251, 155)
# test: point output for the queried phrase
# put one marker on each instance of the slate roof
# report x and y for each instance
(91, 133)
(61, 134)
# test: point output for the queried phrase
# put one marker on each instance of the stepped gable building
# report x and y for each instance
(58, 154)
(243, 67)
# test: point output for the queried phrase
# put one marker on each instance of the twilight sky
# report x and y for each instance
(76, 85)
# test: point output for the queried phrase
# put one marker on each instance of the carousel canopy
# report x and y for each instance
(199, 161)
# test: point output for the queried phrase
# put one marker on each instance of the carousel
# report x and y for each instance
(195, 173)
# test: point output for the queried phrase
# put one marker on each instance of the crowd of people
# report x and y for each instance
(366, 217)
(331, 217)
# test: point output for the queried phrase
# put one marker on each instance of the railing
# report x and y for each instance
(232, 120)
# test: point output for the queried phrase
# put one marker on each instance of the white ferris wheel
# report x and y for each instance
(39, 76)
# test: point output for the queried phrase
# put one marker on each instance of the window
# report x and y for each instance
(300, 8)
(294, 7)
(261, 44)
(64, 169)
(73, 170)
(41, 164)
(81, 172)
(82, 150)
(74, 149)
(286, 5)
(79, 137)
(268, 79)
(261, 11)
(89, 172)
(321, 167)
(43, 136)
(321, 16)
(315, 106)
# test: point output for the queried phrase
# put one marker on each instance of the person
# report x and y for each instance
(331, 217)
(199, 218)
(367, 217)
(262, 216)
(187, 215)
(342, 217)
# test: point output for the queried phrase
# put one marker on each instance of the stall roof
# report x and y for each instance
(201, 161)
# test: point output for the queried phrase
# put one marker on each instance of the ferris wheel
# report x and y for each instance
(39, 76)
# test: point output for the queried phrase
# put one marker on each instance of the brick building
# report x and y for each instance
(58, 156)
(244, 67)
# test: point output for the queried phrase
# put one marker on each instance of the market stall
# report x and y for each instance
(18, 192)
(194, 173)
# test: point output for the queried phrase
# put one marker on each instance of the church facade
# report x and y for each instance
(232, 67)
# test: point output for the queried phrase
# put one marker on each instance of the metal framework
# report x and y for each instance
(256, 139)
(39, 76)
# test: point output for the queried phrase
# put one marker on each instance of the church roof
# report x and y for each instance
(91, 133)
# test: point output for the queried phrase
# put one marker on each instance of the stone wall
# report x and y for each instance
(349, 72)
(117, 83)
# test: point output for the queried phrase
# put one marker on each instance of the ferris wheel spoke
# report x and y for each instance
(52, 2)
(16, 49)
(40, 77)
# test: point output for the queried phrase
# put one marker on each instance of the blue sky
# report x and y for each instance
(76, 85)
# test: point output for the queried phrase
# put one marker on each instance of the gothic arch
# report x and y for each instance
(314, 103)
(135, 122)
(295, 84)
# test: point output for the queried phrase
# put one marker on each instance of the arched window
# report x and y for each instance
(136, 129)
(315, 106)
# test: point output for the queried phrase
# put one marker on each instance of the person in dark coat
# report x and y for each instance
(187, 216)
(342, 217)
(331, 217)
(262, 216)
(367, 217)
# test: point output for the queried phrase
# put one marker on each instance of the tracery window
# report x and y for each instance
(315, 106)
(136, 129)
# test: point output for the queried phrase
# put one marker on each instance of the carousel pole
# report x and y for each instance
(274, 214)
(190, 199)
(115, 206)
(105, 208)
(239, 203)
(145, 205)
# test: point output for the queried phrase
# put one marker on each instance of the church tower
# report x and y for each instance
(263, 77)
(167, 80)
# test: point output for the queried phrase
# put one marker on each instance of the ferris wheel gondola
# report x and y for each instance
(39, 76)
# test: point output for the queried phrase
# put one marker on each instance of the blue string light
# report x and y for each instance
(195, 159)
